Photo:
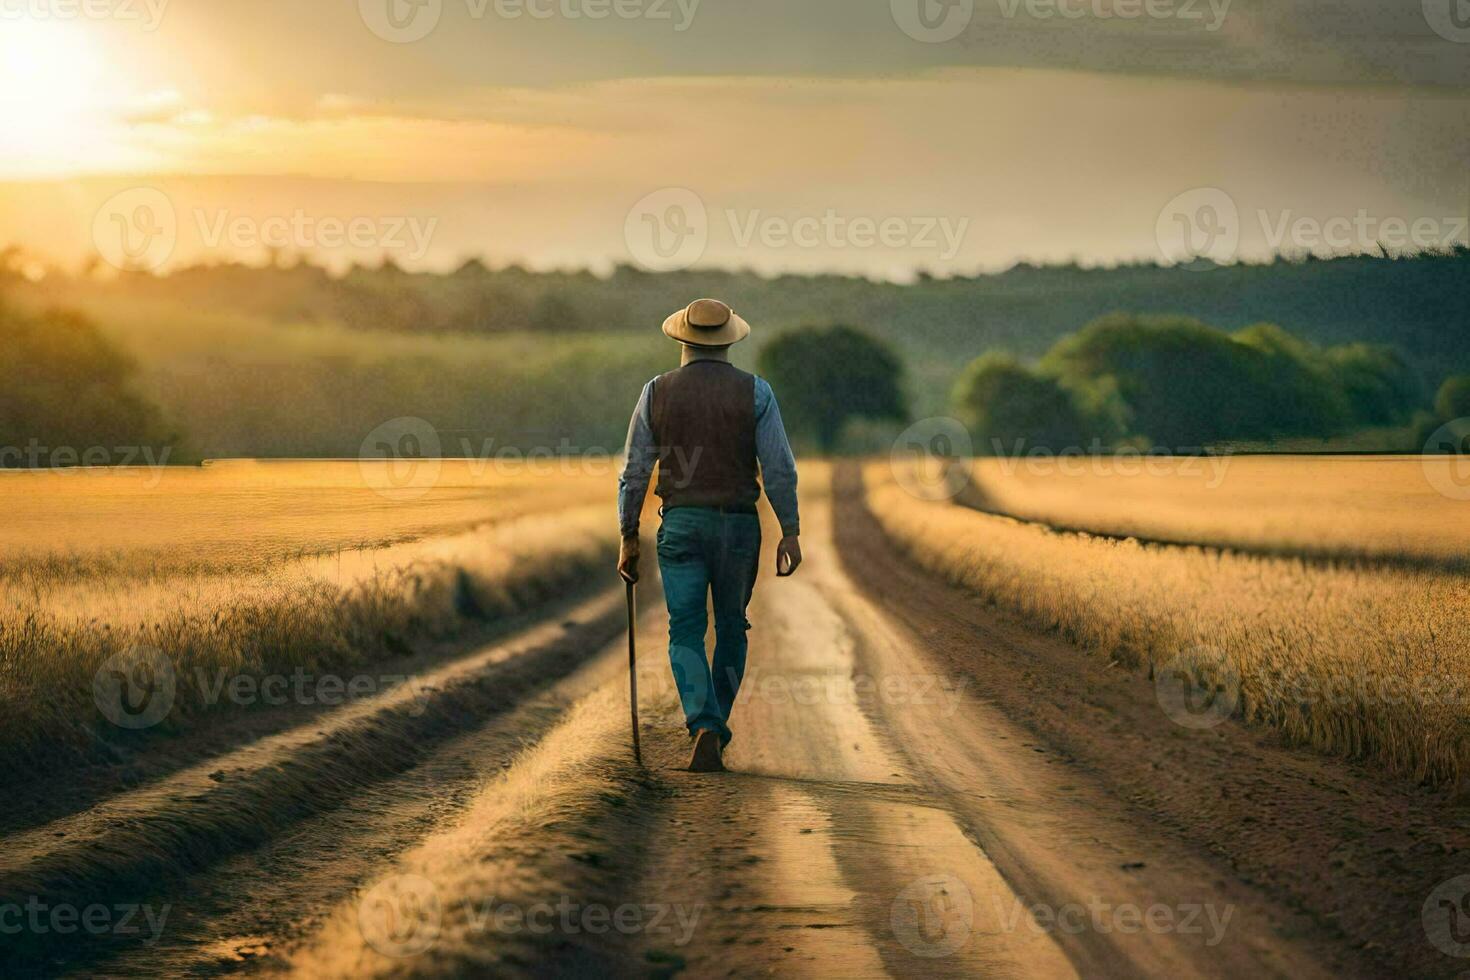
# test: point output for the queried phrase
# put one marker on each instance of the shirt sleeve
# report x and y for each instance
(639, 457)
(778, 464)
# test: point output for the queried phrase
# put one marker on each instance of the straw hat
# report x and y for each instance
(707, 323)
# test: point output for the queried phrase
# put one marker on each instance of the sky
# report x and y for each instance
(874, 137)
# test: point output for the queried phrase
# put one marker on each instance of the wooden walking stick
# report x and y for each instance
(633, 666)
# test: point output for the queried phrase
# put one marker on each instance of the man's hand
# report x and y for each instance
(788, 556)
(628, 560)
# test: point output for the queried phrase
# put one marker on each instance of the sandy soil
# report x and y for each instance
(919, 787)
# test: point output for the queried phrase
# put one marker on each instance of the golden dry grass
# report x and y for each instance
(1367, 662)
(237, 515)
(1380, 506)
(245, 607)
(431, 915)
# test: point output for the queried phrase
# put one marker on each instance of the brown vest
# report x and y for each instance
(704, 427)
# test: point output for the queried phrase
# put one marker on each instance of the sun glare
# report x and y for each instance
(50, 97)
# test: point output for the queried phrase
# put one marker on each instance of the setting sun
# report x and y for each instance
(51, 96)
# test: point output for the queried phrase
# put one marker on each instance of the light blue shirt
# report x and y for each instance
(773, 451)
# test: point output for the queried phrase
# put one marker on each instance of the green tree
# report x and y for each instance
(1453, 400)
(826, 376)
(1185, 384)
(68, 390)
(1008, 408)
(1295, 383)
(1381, 387)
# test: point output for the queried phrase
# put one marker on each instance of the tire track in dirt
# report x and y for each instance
(557, 834)
(252, 909)
(130, 845)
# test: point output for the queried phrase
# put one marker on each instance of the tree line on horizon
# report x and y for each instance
(1161, 380)
(1123, 381)
(1415, 302)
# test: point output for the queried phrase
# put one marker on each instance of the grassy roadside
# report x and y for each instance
(1361, 662)
(529, 876)
(69, 663)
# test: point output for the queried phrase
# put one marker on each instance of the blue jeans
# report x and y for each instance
(703, 552)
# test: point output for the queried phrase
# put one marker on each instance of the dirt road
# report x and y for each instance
(918, 788)
(887, 821)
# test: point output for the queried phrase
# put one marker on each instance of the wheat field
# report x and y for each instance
(1356, 659)
(1349, 506)
(254, 569)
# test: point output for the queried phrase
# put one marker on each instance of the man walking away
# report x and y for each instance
(716, 434)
